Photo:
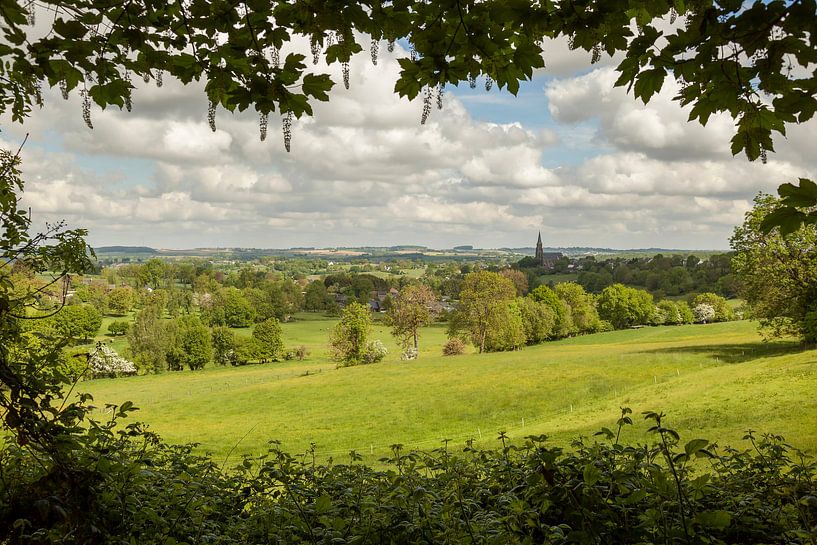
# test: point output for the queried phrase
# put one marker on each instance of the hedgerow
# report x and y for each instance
(122, 484)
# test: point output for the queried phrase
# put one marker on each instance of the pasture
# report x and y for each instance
(713, 381)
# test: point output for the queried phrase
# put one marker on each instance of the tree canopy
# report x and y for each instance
(754, 61)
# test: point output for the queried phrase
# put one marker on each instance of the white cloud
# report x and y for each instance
(364, 171)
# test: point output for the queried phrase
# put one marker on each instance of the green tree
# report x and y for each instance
(625, 307)
(121, 301)
(564, 321)
(118, 327)
(777, 274)
(538, 320)
(349, 338)
(268, 335)
(189, 344)
(238, 312)
(723, 312)
(509, 332)
(582, 306)
(410, 311)
(669, 312)
(316, 297)
(483, 303)
(148, 342)
(224, 345)
(78, 322)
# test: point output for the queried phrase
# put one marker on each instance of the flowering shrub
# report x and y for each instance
(703, 313)
(103, 361)
(375, 352)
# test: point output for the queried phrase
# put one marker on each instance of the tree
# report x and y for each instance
(121, 300)
(348, 340)
(189, 344)
(238, 312)
(483, 303)
(268, 335)
(409, 311)
(582, 306)
(538, 320)
(519, 279)
(777, 274)
(224, 345)
(147, 339)
(316, 297)
(669, 312)
(723, 313)
(509, 333)
(118, 327)
(625, 307)
(78, 322)
(564, 321)
(105, 362)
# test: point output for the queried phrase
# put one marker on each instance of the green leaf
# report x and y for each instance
(591, 474)
(648, 83)
(695, 445)
(717, 520)
(786, 218)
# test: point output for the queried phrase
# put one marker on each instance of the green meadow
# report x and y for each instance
(713, 381)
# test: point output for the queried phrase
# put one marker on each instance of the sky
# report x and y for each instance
(571, 156)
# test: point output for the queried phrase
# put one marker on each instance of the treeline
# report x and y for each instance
(662, 276)
(494, 316)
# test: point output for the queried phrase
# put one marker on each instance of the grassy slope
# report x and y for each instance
(714, 381)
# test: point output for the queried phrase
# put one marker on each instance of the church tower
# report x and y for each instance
(540, 252)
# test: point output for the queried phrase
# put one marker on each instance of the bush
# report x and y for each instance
(810, 327)
(454, 347)
(704, 313)
(118, 327)
(375, 352)
(409, 354)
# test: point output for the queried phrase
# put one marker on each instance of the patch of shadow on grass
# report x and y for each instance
(736, 353)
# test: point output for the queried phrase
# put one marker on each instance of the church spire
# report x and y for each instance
(540, 252)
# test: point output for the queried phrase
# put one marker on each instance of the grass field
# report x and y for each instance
(714, 381)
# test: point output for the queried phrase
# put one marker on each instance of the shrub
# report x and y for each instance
(703, 313)
(118, 327)
(409, 354)
(105, 362)
(301, 352)
(454, 347)
(375, 352)
(810, 327)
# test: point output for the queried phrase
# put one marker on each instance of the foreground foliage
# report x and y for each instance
(127, 486)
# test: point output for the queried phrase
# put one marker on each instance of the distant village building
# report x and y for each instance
(546, 260)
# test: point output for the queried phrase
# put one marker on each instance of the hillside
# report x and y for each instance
(713, 381)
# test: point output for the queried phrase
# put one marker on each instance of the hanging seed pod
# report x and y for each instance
(571, 42)
(38, 93)
(412, 53)
(374, 49)
(596, 54)
(390, 47)
(287, 128)
(489, 83)
(86, 108)
(146, 76)
(275, 57)
(64, 89)
(263, 121)
(31, 17)
(128, 97)
(211, 115)
(472, 81)
(426, 106)
(440, 96)
(763, 157)
(345, 67)
(316, 50)
(159, 78)
(673, 15)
